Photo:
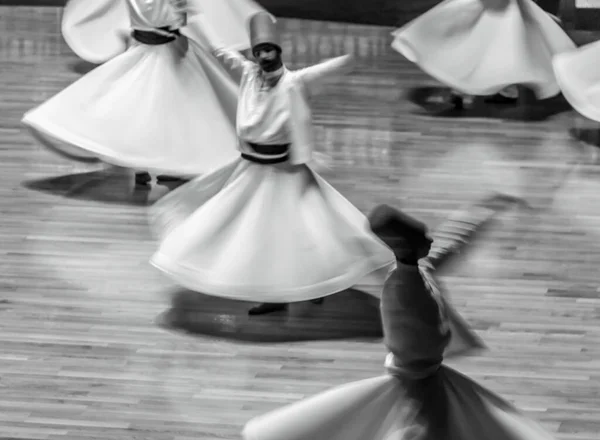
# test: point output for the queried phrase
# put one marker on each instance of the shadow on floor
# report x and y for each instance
(82, 67)
(347, 315)
(106, 186)
(432, 101)
(589, 136)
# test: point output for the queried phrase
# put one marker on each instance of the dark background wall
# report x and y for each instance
(382, 12)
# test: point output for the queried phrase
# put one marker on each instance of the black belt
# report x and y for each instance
(154, 39)
(268, 150)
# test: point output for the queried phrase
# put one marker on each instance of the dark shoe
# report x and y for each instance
(526, 109)
(318, 301)
(527, 97)
(499, 99)
(457, 102)
(165, 178)
(142, 178)
(266, 308)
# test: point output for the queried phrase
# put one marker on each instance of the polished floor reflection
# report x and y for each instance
(96, 344)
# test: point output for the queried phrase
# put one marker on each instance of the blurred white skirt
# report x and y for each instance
(579, 79)
(266, 233)
(446, 406)
(480, 47)
(167, 109)
(93, 29)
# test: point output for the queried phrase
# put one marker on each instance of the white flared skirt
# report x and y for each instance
(480, 47)
(166, 109)
(446, 406)
(95, 30)
(578, 75)
(267, 233)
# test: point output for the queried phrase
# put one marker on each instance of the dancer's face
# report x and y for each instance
(268, 57)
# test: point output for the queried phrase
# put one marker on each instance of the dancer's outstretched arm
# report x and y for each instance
(314, 76)
(449, 239)
(233, 60)
(453, 234)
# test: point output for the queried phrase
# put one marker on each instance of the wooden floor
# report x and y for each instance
(96, 344)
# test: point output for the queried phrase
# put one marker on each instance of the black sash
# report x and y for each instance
(154, 39)
(268, 150)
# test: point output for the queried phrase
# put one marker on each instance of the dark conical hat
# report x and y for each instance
(389, 222)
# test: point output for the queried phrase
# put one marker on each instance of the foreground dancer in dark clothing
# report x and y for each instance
(419, 397)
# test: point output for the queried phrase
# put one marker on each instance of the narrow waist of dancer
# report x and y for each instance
(405, 372)
(267, 154)
(156, 37)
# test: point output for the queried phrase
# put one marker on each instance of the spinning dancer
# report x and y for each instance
(163, 105)
(485, 47)
(267, 227)
(579, 79)
(419, 398)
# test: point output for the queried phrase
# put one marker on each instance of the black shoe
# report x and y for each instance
(457, 102)
(165, 178)
(142, 178)
(266, 308)
(500, 99)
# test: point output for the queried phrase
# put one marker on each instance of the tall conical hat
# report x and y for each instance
(263, 30)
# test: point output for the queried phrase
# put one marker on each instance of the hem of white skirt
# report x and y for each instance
(549, 90)
(579, 103)
(247, 433)
(189, 278)
(46, 132)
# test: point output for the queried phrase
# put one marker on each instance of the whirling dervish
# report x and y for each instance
(420, 398)
(486, 48)
(160, 102)
(267, 227)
